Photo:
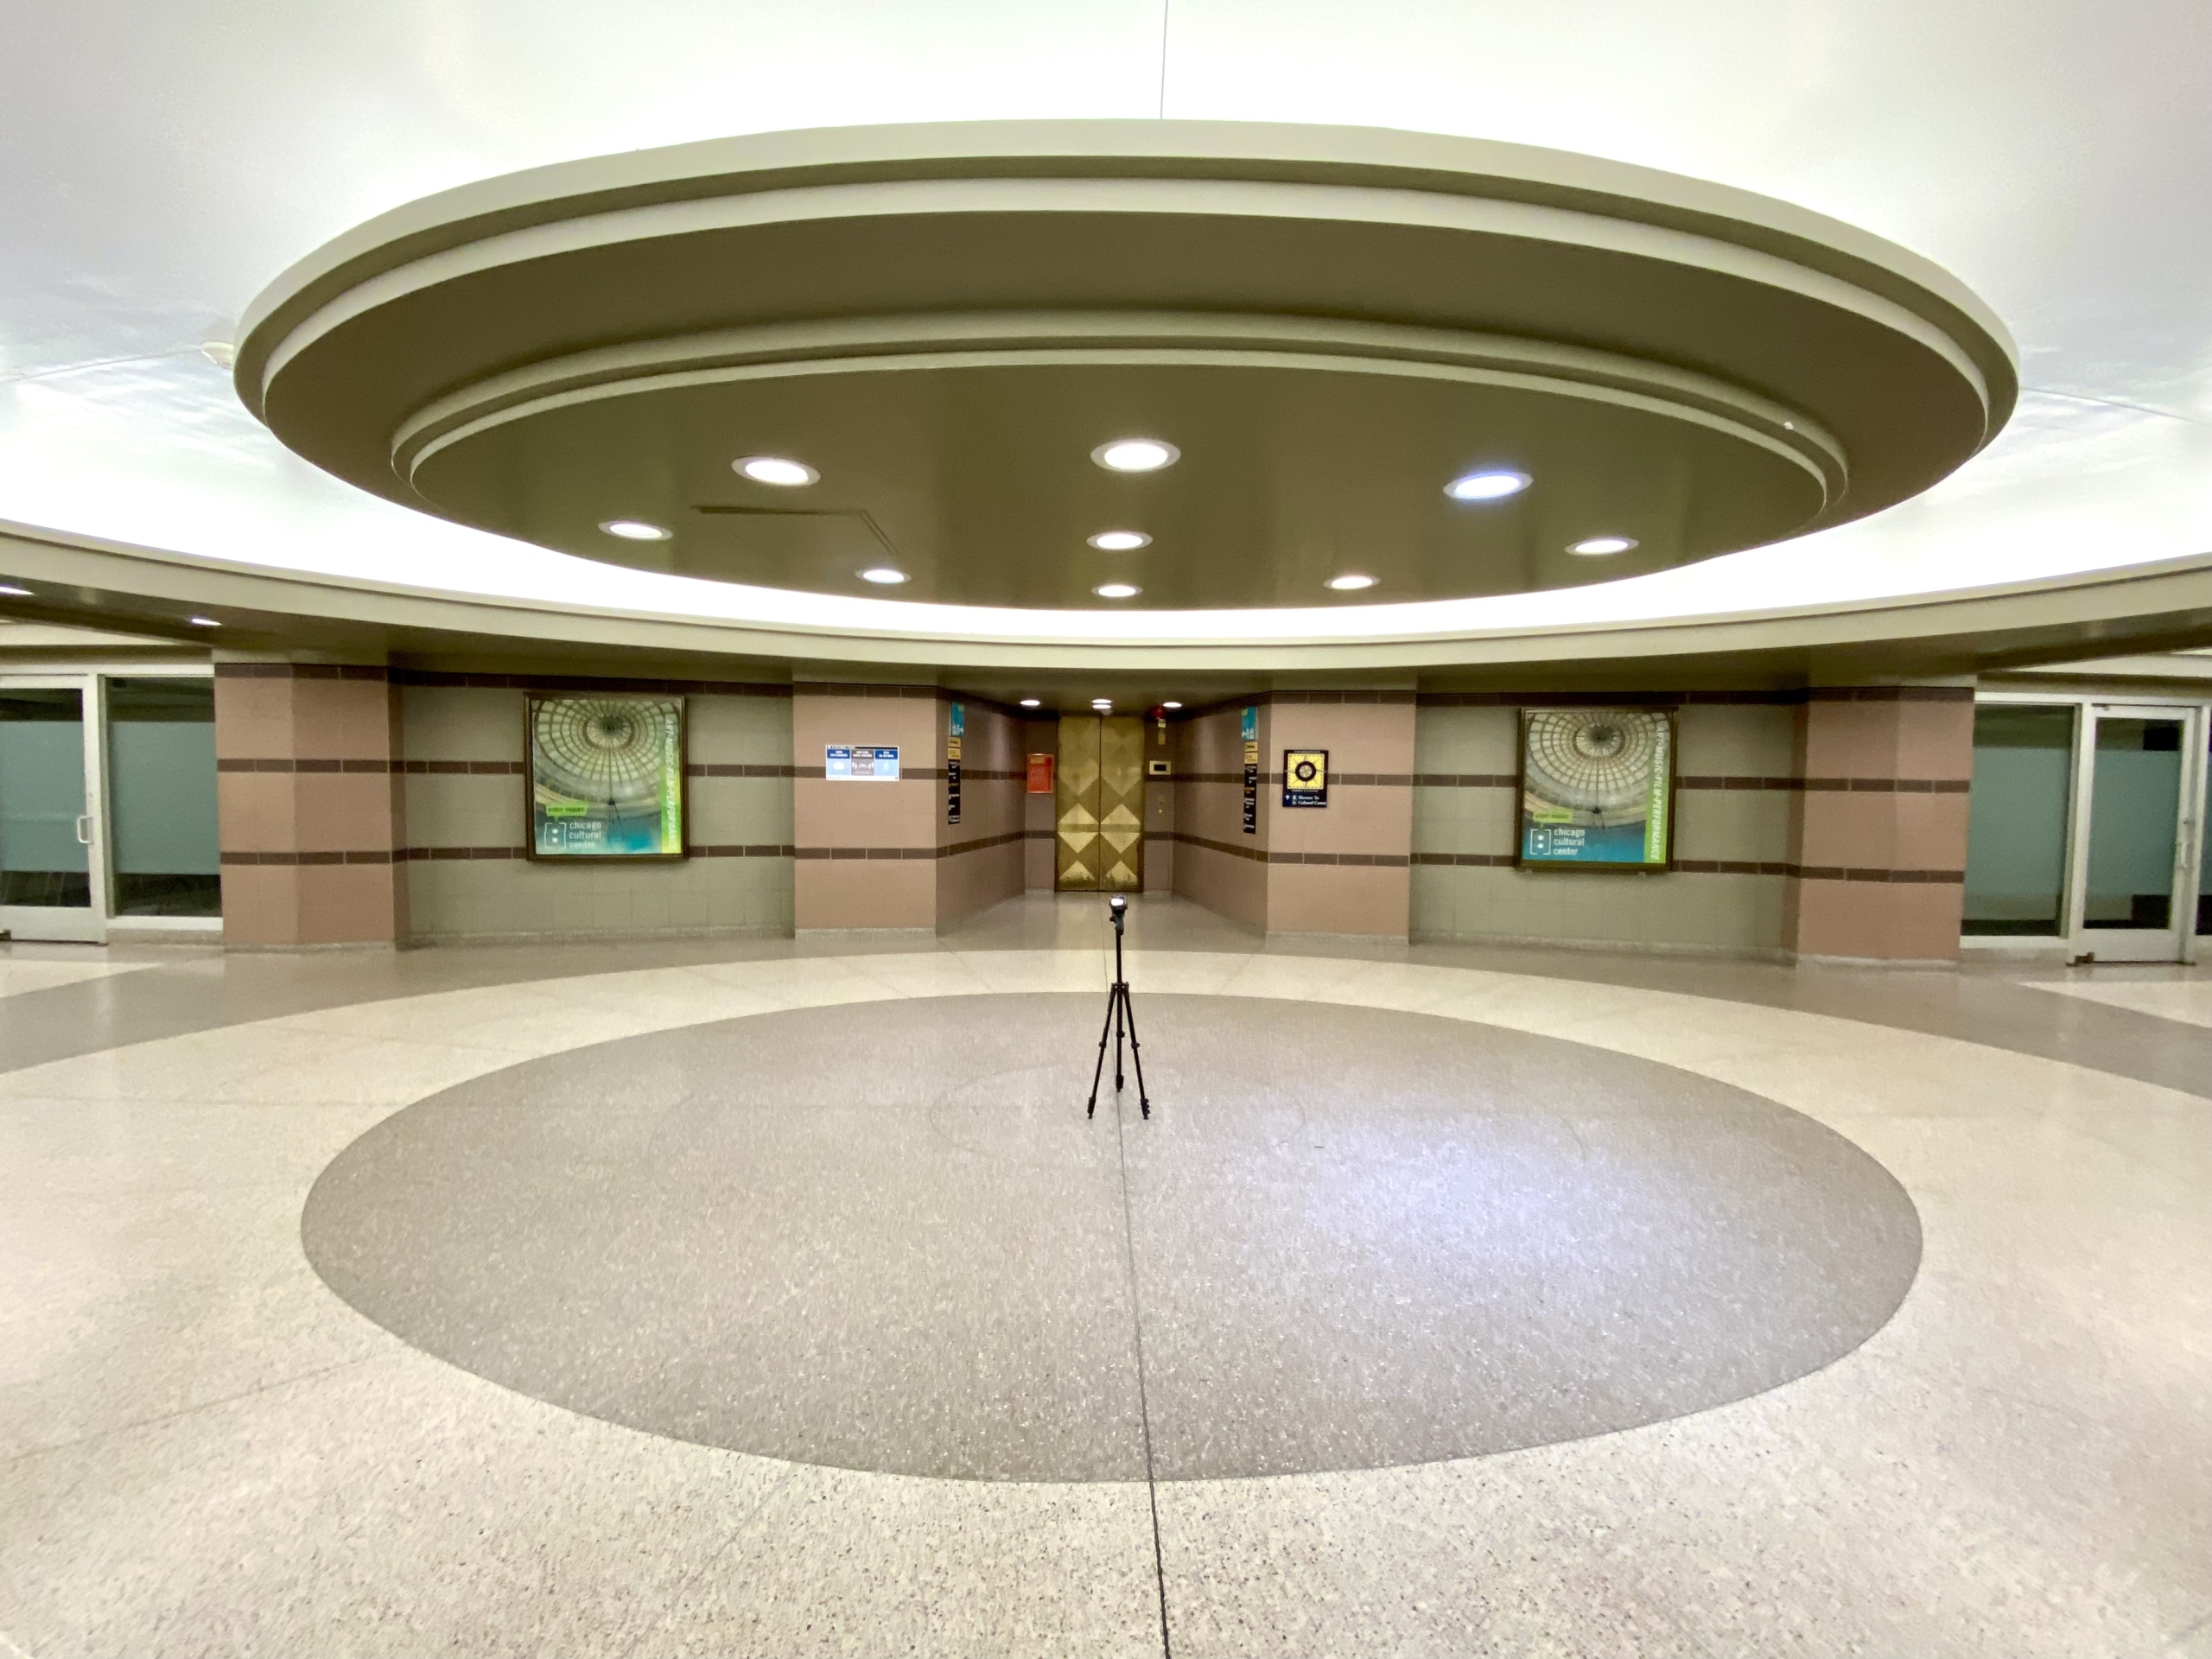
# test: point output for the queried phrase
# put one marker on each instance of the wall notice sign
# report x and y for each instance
(1251, 728)
(1597, 789)
(861, 762)
(1304, 777)
(956, 725)
(1040, 774)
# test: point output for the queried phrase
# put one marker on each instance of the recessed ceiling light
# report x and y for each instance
(774, 469)
(1101, 702)
(11, 591)
(1171, 705)
(1494, 484)
(1117, 590)
(635, 530)
(203, 621)
(1604, 544)
(1137, 454)
(1349, 584)
(1120, 541)
(883, 575)
(1029, 703)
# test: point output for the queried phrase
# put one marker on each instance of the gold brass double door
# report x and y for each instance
(1098, 804)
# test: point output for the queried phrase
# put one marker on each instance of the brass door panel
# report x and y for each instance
(1098, 805)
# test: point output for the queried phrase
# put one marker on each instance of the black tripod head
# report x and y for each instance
(1118, 908)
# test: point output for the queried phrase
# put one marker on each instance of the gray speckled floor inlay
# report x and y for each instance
(884, 1236)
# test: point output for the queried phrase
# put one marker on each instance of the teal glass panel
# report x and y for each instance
(2016, 825)
(2134, 804)
(43, 861)
(160, 766)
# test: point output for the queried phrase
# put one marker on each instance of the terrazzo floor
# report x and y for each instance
(1452, 1302)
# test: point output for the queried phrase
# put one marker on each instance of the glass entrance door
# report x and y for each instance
(53, 868)
(2137, 798)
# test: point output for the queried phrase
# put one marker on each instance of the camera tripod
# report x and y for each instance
(1117, 1009)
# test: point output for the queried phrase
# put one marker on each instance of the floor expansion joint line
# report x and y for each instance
(1144, 1404)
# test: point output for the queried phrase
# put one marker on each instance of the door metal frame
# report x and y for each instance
(2177, 941)
(70, 924)
(91, 678)
(2180, 941)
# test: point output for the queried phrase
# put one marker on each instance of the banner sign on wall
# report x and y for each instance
(606, 776)
(1040, 774)
(1304, 777)
(1597, 789)
(955, 727)
(1251, 728)
(861, 762)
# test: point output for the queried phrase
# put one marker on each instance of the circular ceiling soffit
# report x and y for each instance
(1324, 332)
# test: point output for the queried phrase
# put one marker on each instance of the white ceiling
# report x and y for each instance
(159, 164)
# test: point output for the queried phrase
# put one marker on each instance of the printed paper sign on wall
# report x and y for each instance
(1304, 777)
(860, 763)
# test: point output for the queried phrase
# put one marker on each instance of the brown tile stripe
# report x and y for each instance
(922, 775)
(1393, 861)
(1350, 779)
(841, 688)
(299, 671)
(370, 856)
(516, 768)
(1855, 785)
(1735, 867)
(1787, 698)
(952, 849)
(444, 854)
(236, 763)
(587, 683)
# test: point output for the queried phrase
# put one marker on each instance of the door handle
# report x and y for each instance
(85, 829)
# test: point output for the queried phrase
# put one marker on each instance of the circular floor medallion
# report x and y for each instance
(885, 1236)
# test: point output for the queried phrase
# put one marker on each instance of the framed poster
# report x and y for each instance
(1597, 789)
(606, 776)
(1304, 777)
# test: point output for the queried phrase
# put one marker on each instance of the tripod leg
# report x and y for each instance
(1121, 999)
(1099, 1070)
(1136, 1053)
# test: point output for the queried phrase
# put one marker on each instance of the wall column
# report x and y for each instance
(866, 852)
(1878, 847)
(307, 790)
(1345, 867)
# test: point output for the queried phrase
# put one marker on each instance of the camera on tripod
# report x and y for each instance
(1117, 1011)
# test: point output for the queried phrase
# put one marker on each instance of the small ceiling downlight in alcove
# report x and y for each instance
(1350, 583)
(1117, 590)
(1597, 545)
(1137, 454)
(883, 575)
(1120, 541)
(635, 530)
(774, 469)
(1494, 484)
